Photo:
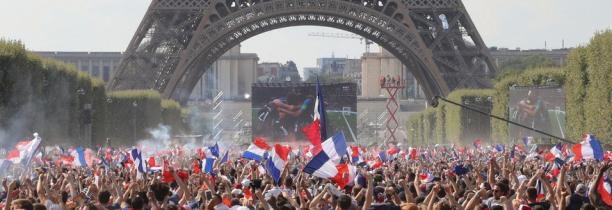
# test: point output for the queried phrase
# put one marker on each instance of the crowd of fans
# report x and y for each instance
(478, 180)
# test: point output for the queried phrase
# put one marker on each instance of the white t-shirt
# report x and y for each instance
(221, 206)
(238, 207)
(52, 206)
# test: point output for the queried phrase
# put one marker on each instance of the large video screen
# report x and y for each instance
(281, 110)
(542, 108)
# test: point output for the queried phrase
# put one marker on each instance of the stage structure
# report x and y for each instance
(177, 40)
(392, 85)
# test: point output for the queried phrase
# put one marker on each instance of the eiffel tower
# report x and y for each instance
(177, 40)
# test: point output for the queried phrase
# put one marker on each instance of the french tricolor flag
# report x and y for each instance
(323, 165)
(374, 164)
(277, 161)
(590, 148)
(345, 176)
(24, 150)
(316, 132)
(541, 191)
(212, 151)
(136, 155)
(355, 155)
(557, 150)
(605, 190)
(426, 177)
(257, 150)
(79, 157)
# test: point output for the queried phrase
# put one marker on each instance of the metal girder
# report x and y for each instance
(186, 36)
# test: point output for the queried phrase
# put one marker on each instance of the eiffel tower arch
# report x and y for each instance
(178, 39)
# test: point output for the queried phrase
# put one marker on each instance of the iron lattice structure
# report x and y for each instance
(178, 40)
(392, 107)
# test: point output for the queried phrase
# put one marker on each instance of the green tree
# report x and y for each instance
(517, 66)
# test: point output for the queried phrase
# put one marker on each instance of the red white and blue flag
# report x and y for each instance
(316, 132)
(212, 151)
(24, 151)
(324, 164)
(257, 150)
(605, 190)
(426, 177)
(78, 155)
(589, 148)
(557, 150)
(136, 155)
(345, 176)
(541, 192)
(355, 154)
(277, 161)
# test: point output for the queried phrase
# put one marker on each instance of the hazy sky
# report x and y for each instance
(108, 25)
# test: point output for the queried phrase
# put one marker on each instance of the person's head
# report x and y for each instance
(442, 205)
(217, 199)
(538, 207)
(172, 207)
(345, 202)
(587, 206)
(235, 202)
(91, 206)
(497, 207)
(138, 203)
(581, 190)
(39, 206)
(532, 193)
(22, 204)
(500, 189)
(104, 197)
(160, 190)
(379, 194)
(409, 206)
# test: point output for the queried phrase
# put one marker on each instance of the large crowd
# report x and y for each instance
(437, 179)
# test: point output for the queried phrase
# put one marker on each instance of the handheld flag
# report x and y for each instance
(324, 164)
(79, 157)
(208, 164)
(590, 148)
(138, 162)
(277, 161)
(605, 190)
(257, 150)
(225, 158)
(316, 132)
(24, 151)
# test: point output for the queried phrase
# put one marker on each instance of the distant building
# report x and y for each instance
(237, 72)
(382, 64)
(311, 72)
(268, 72)
(338, 67)
(289, 73)
(277, 72)
(503, 55)
(102, 65)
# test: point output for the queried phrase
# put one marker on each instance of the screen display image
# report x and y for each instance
(542, 108)
(280, 111)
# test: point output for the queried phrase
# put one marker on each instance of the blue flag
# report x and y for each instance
(320, 111)
(208, 165)
(225, 158)
(214, 150)
(383, 156)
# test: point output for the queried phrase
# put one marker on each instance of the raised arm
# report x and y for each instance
(369, 192)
